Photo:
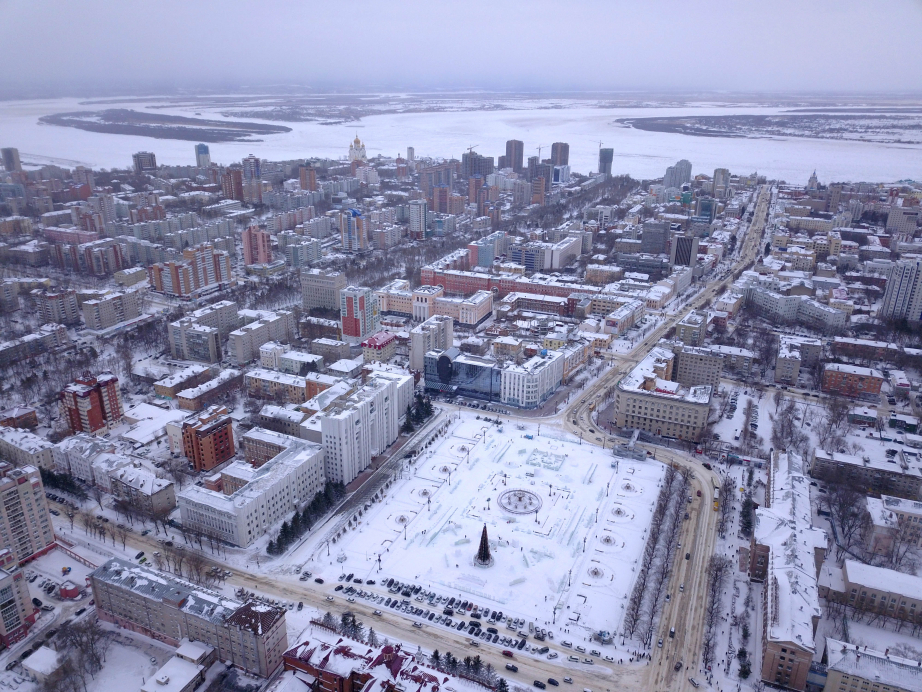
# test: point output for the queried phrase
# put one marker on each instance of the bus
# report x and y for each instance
(716, 497)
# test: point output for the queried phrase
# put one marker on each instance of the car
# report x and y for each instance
(139, 555)
(699, 493)
(377, 612)
(37, 603)
(694, 682)
(568, 680)
(300, 605)
(80, 612)
(54, 512)
(153, 660)
(507, 653)
(92, 602)
(319, 580)
(668, 597)
(540, 685)
(567, 644)
(48, 608)
(688, 556)
(660, 644)
(329, 598)
(672, 632)
(573, 659)
(552, 655)
(145, 532)
(417, 625)
(681, 588)
(552, 681)
(581, 649)
(587, 661)
(677, 666)
(595, 653)
(339, 587)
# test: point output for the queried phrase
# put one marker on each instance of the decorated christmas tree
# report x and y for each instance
(483, 553)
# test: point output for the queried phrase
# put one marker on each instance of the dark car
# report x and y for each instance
(319, 580)
(507, 653)
(552, 681)
(511, 666)
(707, 466)
(37, 603)
(540, 685)
(339, 587)
(80, 612)
(139, 555)
(688, 556)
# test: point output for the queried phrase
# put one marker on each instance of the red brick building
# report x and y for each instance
(208, 438)
(92, 403)
(851, 380)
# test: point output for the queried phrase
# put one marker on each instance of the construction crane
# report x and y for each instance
(600, 144)
(471, 148)
(540, 147)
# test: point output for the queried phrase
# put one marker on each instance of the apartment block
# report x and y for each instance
(198, 397)
(186, 378)
(320, 288)
(692, 329)
(59, 307)
(358, 313)
(257, 246)
(111, 309)
(695, 366)
(251, 636)
(901, 477)
(92, 403)
(23, 448)
(435, 334)
(331, 350)
(18, 611)
(294, 389)
(854, 668)
(851, 380)
(208, 438)
(143, 490)
(379, 347)
(261, 327)
(25, 525)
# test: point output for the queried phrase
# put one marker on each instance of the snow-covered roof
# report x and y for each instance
(785, 526)
(645, 379)
(43, 660)
(878, 578)
(181, 376)
(24, 440)
(205, 387)
(854, 370)
(880, 668)
(175, 675)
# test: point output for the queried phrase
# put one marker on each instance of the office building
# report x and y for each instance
(11, 160)
(684, 251)
(364, 424)
(696, 365)
(435, 334)
(208, 438)
(249, 499)
(251, 636)
(530, 384)
(903, 293)
(606, 156)
(59, 307)
(560, 154)
(19, 613)
(320, 288)
(515, 155)
(202, 156)
(721, 183)
(648, 399)
(25, 524)
(653, 238)
(111, 309)
(144, 162)
(786, 552)
(257, 246)
(92, 404)
(358, 313)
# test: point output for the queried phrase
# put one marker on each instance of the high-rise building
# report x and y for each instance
(92, 403)
(19, 612)
(202, 156)
(411, 154)
(320, 288)
(606, 156)
(11, 160)
(684, 251)
(144, 162)
(208, 438)
(24, 521)
(307, 176)
(515, 155)
(232, 182)
(59, 307)
(435, 334)
(678, 175)
(419, 212)
(202, 269)
(111, 309)
(903, 294)
(251, 168)
(560, 154)
(359, 313)
(257, 246)
(721, 184)
(473, 163)
(353, 231)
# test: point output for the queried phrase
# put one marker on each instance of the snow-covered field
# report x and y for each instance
(449, 133)
(575, 554)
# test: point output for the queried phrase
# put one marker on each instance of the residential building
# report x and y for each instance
(199, 335)
(854, 668)
(19, 417)
(257, 246)
(191, 376)
(515, 155)
(720, 184)
(111, 309)
(678, 175)
(737, 361)
(901, 477)
(435, 334)
(58, 307)
(92, 403)
(202, 156)
(358, 313)
(320, 288)
(201, 395)
(23, 448)
(294, 389)
(692, 329)
(202, 270)
(144, 162)
(903, 294)
(25, 525)
(282, 419)
(379, 347)
(786, 553)
(419, 211)
(606, 156)
(18, 611)
(143, 490)
(331, 350)
(251, 636)
(851, 380)
(10, 156)
(908, 514)
(248, 500)
(260, 327)
(363, 424)
(875, 590)
(560, 154)
(696, 366)
(208, 438)
(48, 337)
(648, 399)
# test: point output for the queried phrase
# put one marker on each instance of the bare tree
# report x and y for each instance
(848, 509)
(122, 533)
(97, 494)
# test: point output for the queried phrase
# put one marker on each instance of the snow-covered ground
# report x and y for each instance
(567, 556)
(641, 153)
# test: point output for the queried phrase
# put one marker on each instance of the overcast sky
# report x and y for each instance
(714, 45)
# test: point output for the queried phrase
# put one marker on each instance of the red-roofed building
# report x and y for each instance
(379, 347)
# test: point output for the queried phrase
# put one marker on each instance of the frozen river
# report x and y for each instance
(448, 133)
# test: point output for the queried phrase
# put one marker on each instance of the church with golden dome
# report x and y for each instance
(357, 150)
